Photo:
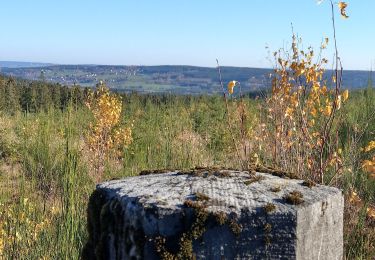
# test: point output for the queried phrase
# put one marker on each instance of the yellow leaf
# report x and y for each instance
(289, 112)
(370, 212)
(354, 198)
(338, 102)
(315, 87)
(324, 90)
(370, 146)
(327, 110)
(313, 112)
(231, 85)
(369, 166)
(342, 6)
(345, 95)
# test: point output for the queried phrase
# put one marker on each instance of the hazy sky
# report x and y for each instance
(191, 32)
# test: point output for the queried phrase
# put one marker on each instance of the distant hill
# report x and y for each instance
(22, 64)
(161, 79)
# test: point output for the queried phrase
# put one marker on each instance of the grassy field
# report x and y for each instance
(46, 176)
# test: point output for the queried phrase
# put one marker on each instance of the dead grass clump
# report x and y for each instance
(189, 148)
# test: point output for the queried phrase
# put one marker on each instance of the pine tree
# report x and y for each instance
(65, 96)
(32, 105)
(2, 94)
(11, 97)
(44, 96)
(77, 96)
(55, 95)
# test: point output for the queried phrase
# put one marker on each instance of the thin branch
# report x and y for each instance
(227, 112)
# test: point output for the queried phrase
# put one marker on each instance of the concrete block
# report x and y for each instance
(214, 214)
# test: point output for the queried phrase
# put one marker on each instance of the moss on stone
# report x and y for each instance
(269, 207)
(206, 172)
(275, 172)
(308, 183)
(254, 179)
(235, 227)
(220, 217)
(275, 189)
(267, 240)
(267, 228)
(294, 197)
(159, 171)
(201, 197)
(197, 229)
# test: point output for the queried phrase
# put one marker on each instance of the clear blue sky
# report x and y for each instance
(192, 32)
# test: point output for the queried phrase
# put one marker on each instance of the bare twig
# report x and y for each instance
(228, 117)
(338, 80)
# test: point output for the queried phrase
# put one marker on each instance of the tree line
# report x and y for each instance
(34, 96)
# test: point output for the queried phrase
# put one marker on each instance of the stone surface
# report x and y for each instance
(128, 219)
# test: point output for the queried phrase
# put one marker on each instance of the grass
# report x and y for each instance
(45, 175)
